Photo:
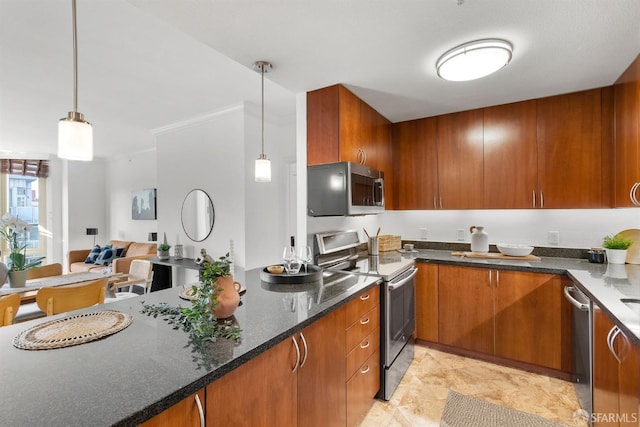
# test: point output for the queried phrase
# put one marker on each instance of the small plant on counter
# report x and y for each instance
(616, 242)
(200, 320)
(164, 247)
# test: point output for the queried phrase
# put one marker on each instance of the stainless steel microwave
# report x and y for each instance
(344, 188)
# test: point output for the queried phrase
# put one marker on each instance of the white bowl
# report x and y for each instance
(512, 249)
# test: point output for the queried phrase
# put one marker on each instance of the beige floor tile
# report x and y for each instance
(420, 398)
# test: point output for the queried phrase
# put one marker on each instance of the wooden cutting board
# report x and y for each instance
(633, 253)
(495, 255)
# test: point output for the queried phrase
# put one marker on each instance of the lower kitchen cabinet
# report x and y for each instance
(187, 413)
(427, 302)
(280, 388)
(513, 315)
(362, 388)
(616, 375)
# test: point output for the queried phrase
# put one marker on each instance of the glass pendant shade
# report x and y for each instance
(75, 138)
(474, 60)
(263, 169)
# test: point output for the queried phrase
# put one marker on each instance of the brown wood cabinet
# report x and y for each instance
(616, 375)
(460, 160)
(415, 164)
(627, 137)
(510, 156)
(513, 315)
(187, 413)
(427, 302)
(277, 388)
(362, 329)
(570, 151)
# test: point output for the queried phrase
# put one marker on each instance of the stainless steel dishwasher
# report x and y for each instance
(581, 347)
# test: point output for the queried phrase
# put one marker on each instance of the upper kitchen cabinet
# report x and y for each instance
(571, 149)
(627, 137)
(460, 160)
(510, 156)
(343, 128)
(415, 164)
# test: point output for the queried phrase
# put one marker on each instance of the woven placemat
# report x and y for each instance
(72, 330)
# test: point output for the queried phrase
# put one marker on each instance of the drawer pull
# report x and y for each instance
(365, 345)
(364, 297)
(365, 370)
(365, 321)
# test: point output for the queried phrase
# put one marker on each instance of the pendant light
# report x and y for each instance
(263, 165)
(75, 135)
(474, 60)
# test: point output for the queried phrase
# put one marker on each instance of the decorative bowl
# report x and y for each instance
(513, 249)
(275, 269)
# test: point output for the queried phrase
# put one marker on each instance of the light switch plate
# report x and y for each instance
(553, 237)
(424, 233)
(460, 234)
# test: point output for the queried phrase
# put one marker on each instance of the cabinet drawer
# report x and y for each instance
(362, 351)
(362, 388)
(362, 304)
(363, 327)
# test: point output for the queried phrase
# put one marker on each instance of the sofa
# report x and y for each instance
(130, 251)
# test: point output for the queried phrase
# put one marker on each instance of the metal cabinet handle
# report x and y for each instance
(541, 199)
(497, 278)
(490, 281)
(574, 302)
(441, 201)
(533, 193)
(364, 297)
(365, 321)
(611, 336)
(435, 206)
(200, 411)
(365, 345)
(295, 344)
(365, 370)
(632, 194)
(306, 349)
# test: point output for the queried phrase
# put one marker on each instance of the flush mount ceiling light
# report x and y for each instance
(75, 135)
(474, 60)
(263, 165)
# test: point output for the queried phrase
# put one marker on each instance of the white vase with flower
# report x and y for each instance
(14, 231)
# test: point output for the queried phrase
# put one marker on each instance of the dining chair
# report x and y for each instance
(140, 274)
(60, 299)
(8, 307)
(44, 271)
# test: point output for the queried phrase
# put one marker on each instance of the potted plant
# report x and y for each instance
(163, 248)
(616, 248)
(218, 283)
(15, 231)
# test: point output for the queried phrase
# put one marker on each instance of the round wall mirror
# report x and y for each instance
(197, 215)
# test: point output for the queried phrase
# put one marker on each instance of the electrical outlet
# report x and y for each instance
(460, 235)
(424, 233)
(553, 237)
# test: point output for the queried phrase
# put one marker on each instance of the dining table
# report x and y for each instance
(29, 291)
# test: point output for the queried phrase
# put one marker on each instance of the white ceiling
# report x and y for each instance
(145, 64)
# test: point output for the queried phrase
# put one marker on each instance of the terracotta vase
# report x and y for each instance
(228, 297)
(17, 278)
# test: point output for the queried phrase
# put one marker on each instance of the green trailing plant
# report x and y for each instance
(616, 242)
(199, 320)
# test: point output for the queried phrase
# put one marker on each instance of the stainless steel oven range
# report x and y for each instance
(339, 251)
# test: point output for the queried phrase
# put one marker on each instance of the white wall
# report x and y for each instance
(125, 174)
(87, 202)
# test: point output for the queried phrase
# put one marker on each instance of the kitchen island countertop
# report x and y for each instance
(127, 378)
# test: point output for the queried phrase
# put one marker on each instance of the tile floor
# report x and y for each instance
(420, 398)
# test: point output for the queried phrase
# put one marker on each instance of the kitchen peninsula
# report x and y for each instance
(130, 377)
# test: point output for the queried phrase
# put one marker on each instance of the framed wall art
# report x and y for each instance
(143, 204)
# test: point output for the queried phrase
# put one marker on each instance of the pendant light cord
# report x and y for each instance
(75, 57)
(261, 72)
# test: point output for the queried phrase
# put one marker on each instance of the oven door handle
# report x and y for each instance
(392, 286)
(577, 304)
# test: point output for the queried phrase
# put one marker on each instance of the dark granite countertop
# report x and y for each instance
(605, 284)
(128, 377)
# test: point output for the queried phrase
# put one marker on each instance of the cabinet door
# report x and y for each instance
(427, 302)
(529, 314)
(628, 381)
(460, 160)
(570, 150)
(627, 134)
(186, 413)
(510, 156)
(416, 164)
(362, 387)
(321, 378)
(323, 125)
(353, 129)
(262, 392)
(465, 308)
(605, 372)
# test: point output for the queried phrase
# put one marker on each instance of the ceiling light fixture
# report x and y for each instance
(474, 60)
(75, 135)
(263, 165)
